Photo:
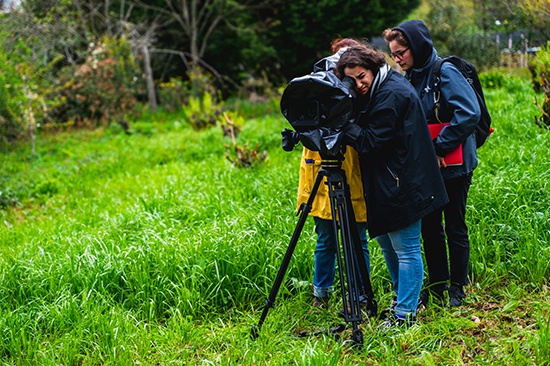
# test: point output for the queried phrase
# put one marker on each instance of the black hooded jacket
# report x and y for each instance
(420, 41)
(458, 102)
(401, 177)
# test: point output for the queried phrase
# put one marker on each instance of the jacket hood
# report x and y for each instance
(419, 76)
(420, 41)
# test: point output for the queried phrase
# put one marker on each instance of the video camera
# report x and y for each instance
(317, 106)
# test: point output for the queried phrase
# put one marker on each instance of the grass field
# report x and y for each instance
(153, 249)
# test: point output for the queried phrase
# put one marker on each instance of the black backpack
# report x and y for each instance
(483, 128)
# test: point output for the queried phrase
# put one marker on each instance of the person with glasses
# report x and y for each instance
(398, 55)
(401, 177)
(412, 48)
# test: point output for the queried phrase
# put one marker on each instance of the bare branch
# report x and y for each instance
(183, 55)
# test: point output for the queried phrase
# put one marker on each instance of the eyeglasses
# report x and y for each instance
(399, 54)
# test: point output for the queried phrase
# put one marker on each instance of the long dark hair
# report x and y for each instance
(363, 56)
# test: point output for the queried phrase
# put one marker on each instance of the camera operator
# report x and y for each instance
(400, 173)
(310, 163)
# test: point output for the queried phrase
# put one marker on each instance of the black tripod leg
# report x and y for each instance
(338, 192)
(305, 208)
(372, 307)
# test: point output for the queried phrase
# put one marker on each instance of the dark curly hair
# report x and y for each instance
(363, 56)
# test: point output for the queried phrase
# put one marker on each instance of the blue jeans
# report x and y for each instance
(401, 249)
(325, 255)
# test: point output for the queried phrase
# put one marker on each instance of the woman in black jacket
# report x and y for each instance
(401, 177)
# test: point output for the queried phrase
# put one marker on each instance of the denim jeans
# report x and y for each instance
(453, 235)
(401, 250)
(325, 255)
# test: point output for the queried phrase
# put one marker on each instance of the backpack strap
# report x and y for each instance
(434, 84)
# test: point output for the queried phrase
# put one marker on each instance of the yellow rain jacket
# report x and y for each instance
(310, 165)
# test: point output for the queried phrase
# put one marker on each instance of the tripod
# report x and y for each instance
(349, 252)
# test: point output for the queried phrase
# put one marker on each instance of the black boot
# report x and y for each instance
(456, 294)
(436, 296)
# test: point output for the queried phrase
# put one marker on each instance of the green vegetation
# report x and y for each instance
(92, 63)
(153, 248)
(540, 70)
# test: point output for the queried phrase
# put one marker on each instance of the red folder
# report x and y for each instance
(455, 156)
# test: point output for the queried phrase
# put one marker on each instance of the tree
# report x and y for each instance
(59, 38)
(197, 20)
(304, 29)
(495, 14)
(279, 38)
(529, 17)
(455, 34)
(243, 51)
(538, 14)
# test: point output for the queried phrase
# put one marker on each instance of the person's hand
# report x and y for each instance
(441, 161)
(351, 133)
(289, 139)
(349, 83)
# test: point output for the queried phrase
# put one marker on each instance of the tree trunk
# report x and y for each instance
(151, 94)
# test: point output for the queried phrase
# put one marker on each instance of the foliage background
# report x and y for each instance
(141, 54)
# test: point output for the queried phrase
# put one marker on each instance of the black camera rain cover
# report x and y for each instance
(317, 106)
(316, 100)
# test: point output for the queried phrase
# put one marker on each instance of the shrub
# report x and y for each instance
(10, 127)
(202, 111)
(492, 79)
(201, 82)
(8, 197)
(105, 88)
(197, 97)
(173, 94)
(257, 89)
(476, 47)
(241, 156)
(496, 79)
(12, 96)
(25, 85)
(540, 67)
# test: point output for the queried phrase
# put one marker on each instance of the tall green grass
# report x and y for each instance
(153, 249)
(509, 205)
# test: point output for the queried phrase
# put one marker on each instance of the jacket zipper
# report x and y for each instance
(393, 175)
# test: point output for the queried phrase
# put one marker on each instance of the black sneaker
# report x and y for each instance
(435, 296)
(456, 294)
(384, 314)
(423, 299)
(394, 322)
(320, 302)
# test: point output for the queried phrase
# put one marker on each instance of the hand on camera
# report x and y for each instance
(349, 83)
(351, 133)
(290, 139)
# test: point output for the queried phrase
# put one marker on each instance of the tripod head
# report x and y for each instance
(327, 142)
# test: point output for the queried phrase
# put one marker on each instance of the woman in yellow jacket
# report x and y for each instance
(326, 248)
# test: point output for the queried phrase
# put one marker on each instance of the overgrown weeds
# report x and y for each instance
(153, 248)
